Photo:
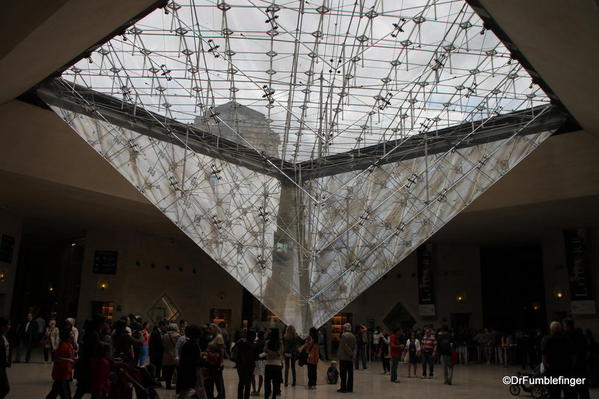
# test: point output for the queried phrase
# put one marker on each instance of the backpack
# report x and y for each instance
(444, 342)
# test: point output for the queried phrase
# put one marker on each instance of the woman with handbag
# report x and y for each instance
(312, 348)
(290, 353)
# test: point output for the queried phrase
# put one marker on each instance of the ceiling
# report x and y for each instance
(560, 39)
(50, 34)
(53, 176)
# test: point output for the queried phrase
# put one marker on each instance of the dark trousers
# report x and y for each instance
(386, 366)
(60, 388)
(290, 364)
(245, 383)
(23, 347)
(394, 364)
(427, 359)
(361, 356)
(311, 374)
(157, 363)
(167, 372)
(215, 380)
(47, 352)
(83, 383)
(4, 387)
(272, 381)
(346, 369)
(555, 392)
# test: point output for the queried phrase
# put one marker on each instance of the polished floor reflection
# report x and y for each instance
(33, 381)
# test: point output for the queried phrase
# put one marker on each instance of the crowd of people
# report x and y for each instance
(117, 359)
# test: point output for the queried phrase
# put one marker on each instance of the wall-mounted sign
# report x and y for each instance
(577, 261)
(583, 307)
(7, 246)
(425, 275)
(105, 262)
(426, 310)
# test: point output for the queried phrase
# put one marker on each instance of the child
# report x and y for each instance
(332, 373)
(62, 370)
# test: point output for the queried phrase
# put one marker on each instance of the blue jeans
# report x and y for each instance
(143, 355)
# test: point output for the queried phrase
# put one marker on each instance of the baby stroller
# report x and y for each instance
(535, 390)
(128, 379)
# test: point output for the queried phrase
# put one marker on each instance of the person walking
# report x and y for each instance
(412, 353)
(216, 354)
(361, 342)
(313, 350)
(395, 351)
(244, 354)
(169, 356)
(189, 379)
(385, 355)
(145, 344)
(27, 334)
(290, 352)
(51, 340)
(375, 350)
(558, 356)
(346, 354)
(62, 370)
(155, 347)
(260, 365)
(581, 355)
(446, 344)
(4, 357)
(428, 348)
(273, 371)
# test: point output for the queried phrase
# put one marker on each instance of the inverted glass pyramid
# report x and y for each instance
(307, 147)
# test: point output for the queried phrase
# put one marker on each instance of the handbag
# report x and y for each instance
(302, 359)
(213, 358)
(454, 357)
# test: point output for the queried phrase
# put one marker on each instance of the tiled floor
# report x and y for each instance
(476, 382)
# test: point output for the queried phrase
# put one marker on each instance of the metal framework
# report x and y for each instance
(307, 148)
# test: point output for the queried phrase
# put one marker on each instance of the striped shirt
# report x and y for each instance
(428, 344)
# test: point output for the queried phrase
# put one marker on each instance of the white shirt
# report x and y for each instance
(375, 338)
(6, 348)
(179, 345)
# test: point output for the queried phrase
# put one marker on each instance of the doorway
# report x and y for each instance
(513, 289)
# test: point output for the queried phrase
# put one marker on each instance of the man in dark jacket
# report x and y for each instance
(558, 358)
(4, 357)
(156, 350)
(346, 354)
(245, 353)
(581, 354)
(27, 335)
(190, 361)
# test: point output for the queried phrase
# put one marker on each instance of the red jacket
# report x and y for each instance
(63, 370)
(394, 346)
